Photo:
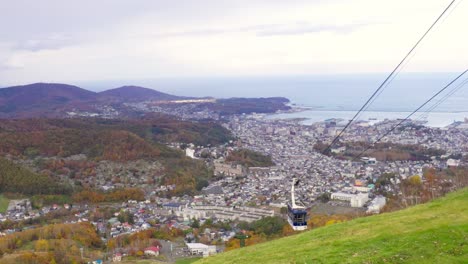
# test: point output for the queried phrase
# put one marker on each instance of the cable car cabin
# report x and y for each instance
(297, 218)
(297, 214)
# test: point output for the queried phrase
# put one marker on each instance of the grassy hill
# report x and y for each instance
(436, 232)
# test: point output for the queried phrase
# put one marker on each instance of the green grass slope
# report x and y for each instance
(3, 203)
(436, 232)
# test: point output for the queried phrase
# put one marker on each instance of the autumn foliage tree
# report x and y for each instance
(102, 139)
(119, 195)
(62, 240)
(51, 142)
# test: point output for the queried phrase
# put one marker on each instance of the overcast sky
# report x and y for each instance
(90, 40)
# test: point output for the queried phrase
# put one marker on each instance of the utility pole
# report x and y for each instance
(242, 237)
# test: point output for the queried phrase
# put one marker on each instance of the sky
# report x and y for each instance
(105, 40)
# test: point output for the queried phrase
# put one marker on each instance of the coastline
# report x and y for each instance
(314, 115)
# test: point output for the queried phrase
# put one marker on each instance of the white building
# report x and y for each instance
(359, 200)
(356, 200)
(189, 213)
(338, 150)
(364, 189)
(376, 205)
(201, 249)
(368, 160)
(453, 163)
(342, 196)
(247, 214)
(190, 153)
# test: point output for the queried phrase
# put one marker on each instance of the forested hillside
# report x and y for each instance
(119, 140)
(81, 149)
(14, 178)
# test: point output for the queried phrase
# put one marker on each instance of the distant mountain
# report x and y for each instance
(41, 92)
(40, 98)
(62, 100)
(54, 99)
(136, 93)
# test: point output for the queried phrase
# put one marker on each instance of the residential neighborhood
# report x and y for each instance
(247, 194)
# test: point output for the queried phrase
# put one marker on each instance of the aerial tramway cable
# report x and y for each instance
(441, 100)
(389, 77)
(412, 113)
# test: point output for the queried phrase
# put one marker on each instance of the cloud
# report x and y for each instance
(5, 58)
(308, 28)
(265, 30)
(5, 67)
(49, 42)
(109, 38)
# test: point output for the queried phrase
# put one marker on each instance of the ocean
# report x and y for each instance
(434, 119)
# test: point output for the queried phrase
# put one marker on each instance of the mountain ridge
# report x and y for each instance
(55, 100)
(124, 91)
(40, 98)
(136, 93)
